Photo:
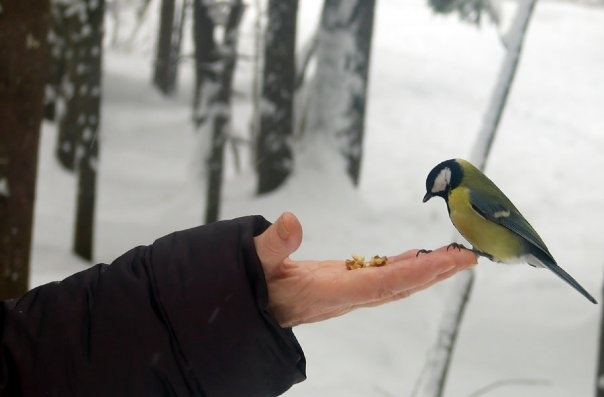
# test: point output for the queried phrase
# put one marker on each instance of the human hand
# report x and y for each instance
(308, 291)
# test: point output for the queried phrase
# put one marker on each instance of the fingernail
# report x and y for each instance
(282, 230)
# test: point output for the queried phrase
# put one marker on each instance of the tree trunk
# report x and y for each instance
(219, 112)
(22, 79)
(307, 52)
(600, 373)
(492, 117)
(339, 98)
(256, 69)
(140, 16)
(433, 382)
(71, 77)
(206, 60)
(56, 66)
(469, 10)
(169, 40)
(273, 151)
(89, 73)
(434, 376)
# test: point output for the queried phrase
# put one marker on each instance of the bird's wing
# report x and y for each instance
(499, 209)
(506, 215)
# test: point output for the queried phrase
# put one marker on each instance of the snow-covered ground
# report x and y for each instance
(431, 77)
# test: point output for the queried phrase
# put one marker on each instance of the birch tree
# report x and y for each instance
(274, 154)
(23, 30)
(338, 101)
(433, 380)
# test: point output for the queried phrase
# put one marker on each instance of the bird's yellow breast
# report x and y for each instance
(486, 236)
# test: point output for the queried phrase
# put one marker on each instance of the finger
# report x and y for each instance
(438, 279)
(414, 252)
(374, 284)
(433, 267)
(280, 240)
(441, 277)
(380, 284)
(461, 257)
(448, 248)
(404, 255)
(344, 290)
(377, 284)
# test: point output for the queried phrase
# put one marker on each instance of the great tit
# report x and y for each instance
(488, 220)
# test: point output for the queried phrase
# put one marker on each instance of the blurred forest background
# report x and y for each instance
(258, 92)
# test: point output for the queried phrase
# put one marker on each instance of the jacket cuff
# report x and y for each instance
(211, 290)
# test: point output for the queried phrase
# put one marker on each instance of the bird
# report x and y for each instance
(488, 220)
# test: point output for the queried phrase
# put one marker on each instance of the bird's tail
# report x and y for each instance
(543, 260)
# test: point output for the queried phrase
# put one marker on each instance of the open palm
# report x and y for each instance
(309, 290)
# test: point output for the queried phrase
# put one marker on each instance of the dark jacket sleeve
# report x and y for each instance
(185, 316)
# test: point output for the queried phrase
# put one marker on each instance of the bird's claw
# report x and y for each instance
(422, 251)
(457, 246)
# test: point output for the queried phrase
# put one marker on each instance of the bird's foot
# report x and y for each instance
(474, 250)
(457, 246)
(422, 251)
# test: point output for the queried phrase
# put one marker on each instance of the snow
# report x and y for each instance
(526, 332)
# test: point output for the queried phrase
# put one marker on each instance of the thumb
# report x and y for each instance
(278, 241)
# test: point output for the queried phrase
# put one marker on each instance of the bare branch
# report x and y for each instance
(509, 382)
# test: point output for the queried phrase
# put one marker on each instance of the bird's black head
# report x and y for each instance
(444, 177)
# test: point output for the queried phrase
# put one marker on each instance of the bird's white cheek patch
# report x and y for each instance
(442, 180)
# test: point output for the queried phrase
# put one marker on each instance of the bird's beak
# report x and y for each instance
(427, 197)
